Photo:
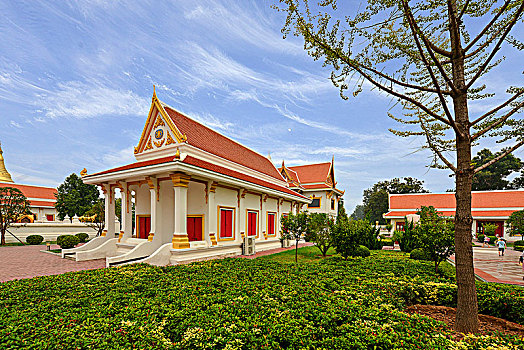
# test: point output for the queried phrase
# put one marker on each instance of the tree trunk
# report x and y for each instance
(3, 238)
(296, 251)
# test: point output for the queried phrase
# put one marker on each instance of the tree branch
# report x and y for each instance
(463, 10)
(498, 122)
(496, 109)
(488, 26)
(496, 159)
(497, 46)
(414, 31)
(434, 148)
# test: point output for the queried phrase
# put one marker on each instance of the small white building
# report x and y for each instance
(317, 182)
(43, 218)
(197, 195)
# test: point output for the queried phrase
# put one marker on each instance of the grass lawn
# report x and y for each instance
(264, 303)
(306, 255)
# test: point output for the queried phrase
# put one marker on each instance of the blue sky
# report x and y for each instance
(76, 79)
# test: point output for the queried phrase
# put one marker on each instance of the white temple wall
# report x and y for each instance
(142, 200)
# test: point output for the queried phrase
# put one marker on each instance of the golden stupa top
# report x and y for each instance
(4, 174)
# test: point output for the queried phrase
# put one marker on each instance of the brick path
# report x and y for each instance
(17, 262)
(494, 268)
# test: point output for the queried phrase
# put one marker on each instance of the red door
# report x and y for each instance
(144, 226)
(194, 228)
(252, 223)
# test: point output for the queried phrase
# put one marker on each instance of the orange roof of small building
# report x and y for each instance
(312, 173)
(206, 139)
(492, 203)
(38, 196)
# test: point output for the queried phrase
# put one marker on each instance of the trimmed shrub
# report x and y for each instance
(34, 239)
(518, 245)
(361, 251)
(480, 238)
(419, 254)
(82, 237)
(387, 242)
(67, 241)
(492, 239)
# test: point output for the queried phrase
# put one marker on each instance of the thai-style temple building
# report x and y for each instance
(197, 195)
(43, 218)
(317, 182)
(493, 207)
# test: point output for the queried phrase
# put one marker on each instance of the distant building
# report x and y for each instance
(317, 182)
(493, 207)
(43, 220)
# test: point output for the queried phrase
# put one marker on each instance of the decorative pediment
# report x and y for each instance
(159, 130)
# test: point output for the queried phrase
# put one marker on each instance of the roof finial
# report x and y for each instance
(333, 159)
(177, 154)
(283, 165)
(154, 92)
(4, 174)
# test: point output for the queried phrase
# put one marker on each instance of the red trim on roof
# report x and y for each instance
(224, 171)
(33, 191)
(41, 204)
(317, 186)
(475, 213)
(136, 165)
(211, 141)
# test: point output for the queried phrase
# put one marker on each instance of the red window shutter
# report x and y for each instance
(222, 223)
(252, 224)
(198, 229)
(271, 224)
(190, 229)
(229, 223)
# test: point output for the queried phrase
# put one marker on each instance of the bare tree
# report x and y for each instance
(421, 54)
(13, 204)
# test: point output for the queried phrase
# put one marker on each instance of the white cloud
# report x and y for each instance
(15, 124)
(123, 156)
(80, 100)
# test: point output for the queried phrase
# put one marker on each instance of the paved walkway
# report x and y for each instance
(494, 268)
(28, 261)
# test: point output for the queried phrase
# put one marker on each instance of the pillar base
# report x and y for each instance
(180, 241)
(151, 236)
(120, 236)
(213, 238)
(104, 233)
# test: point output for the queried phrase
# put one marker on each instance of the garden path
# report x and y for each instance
(17, 262)
(494, 268)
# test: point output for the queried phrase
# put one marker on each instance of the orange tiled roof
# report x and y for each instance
(136, 165)
(501, 203)
(312, 172)
(33, 191)
(211, 141)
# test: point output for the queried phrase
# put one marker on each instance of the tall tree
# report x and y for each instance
(425, 56)
(376, 199)
(74, 197)
(13, 204)
(494, 176)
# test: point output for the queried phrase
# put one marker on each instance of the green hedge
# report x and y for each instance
(67, 241)
(34, 239)
(82, 237)
(246, 304)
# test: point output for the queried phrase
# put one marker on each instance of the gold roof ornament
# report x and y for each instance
(83, 172)
(177, 154)
(4, 174)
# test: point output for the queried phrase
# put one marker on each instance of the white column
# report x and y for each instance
(109, 229)
(263, 232)
(155, 212)
(242, 216)
(238, 214)
(211, 231)
(180, 185)
(126, 230)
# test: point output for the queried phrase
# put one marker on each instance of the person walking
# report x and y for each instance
(486, 241)
(501, 244)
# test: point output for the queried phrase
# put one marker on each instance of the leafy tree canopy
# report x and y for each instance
(376, 198)
(515, 223)
(494, 176)
(74, 197)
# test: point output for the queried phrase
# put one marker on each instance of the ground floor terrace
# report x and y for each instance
(185, 212)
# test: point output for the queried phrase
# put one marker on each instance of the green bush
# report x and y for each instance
(419, 254)
(387, 242)
(492, 239)
(361, 251)
(67, 241)
(82, 237)
(480, 238)
(34, 239)
(518, 245)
